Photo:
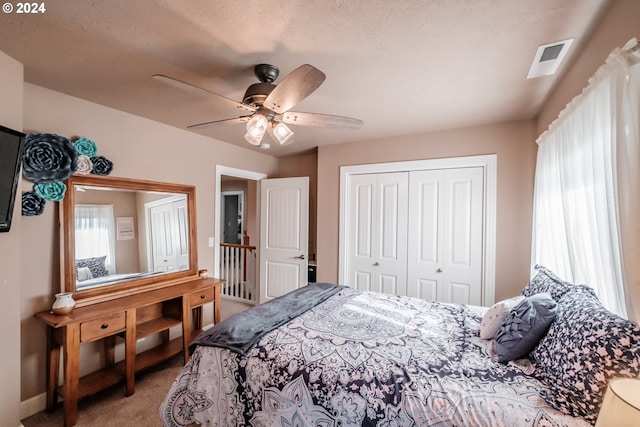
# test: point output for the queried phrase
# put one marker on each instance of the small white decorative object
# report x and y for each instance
(63, 304)
(203, 273)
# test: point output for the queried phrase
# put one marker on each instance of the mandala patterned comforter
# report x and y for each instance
(362, 358)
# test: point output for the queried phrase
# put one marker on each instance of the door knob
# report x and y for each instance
(299, 256)
(439, 270)
(376, 264)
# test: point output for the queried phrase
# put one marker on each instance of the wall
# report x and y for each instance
(618, 25)
(11, 73)
(515, 148)
(139, 148)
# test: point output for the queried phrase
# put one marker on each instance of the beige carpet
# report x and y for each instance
(110, 407)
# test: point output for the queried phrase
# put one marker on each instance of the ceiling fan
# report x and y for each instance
(265, 106)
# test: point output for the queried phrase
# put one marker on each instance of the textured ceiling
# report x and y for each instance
(401, 66)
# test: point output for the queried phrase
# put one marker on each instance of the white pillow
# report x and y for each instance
(83, 273)
(493, 318)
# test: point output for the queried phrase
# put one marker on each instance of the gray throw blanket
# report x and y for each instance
(243, 330)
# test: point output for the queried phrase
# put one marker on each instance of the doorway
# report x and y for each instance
(236, 232)
(233, 217)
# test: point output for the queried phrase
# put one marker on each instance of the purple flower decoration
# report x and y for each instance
(53, 191)
(85, 146)
(48, 157)
(101, 165)
(32, 204)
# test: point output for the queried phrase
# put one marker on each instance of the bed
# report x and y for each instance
(328, 355)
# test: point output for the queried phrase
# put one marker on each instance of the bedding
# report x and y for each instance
(363, 358)
(92, 282)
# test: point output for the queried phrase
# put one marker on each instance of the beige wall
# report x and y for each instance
(512, 142)
(10, 276)
(620, 23)
(139, 148)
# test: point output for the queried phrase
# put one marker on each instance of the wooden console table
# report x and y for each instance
(131, 318)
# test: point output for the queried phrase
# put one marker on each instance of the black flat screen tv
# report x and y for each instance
(11, 146)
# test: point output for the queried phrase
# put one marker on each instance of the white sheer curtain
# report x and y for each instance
(586, 185)
(95, 233)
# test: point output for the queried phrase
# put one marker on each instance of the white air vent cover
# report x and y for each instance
(548, 58)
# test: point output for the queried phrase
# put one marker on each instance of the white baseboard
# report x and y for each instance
(33, 405)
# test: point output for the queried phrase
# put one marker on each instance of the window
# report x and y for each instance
(95, 233)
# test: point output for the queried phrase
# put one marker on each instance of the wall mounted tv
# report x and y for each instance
(11, 146)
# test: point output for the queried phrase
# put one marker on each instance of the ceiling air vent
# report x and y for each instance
(548, 58)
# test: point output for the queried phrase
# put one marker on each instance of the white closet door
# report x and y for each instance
(163, 247)
(182, 237)
(425, 239)
(377, 250)
(445, 241)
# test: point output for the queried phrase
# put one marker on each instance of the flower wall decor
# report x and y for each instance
(49, 159)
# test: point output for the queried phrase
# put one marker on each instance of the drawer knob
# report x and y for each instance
(104, 326)
(202, 296)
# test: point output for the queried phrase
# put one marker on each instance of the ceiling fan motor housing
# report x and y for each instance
(257, 93)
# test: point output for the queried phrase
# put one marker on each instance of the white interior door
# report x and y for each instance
(163, 248)
(284, 235)
(182, 237)
(377, 215)
(445, 242)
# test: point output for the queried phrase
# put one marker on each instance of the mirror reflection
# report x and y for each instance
(124, 234)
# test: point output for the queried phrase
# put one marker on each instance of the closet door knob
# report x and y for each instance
(439, 270)
(376, 264)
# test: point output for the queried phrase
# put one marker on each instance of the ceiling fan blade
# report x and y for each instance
(326, 120)
(295, 87)
(233, 121)
(198, 90)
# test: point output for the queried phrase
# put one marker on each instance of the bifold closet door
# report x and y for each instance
(169, 236)
(377, 209)
(445, 237)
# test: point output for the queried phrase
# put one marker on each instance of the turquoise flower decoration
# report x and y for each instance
(53, 191)
(85, 146)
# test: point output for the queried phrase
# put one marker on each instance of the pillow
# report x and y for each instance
(96, 266)
(585, 347)
(523, 327)
(546, 281)
(83, 273)
(493, 318)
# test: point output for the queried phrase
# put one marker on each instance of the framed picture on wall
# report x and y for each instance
(125, 228)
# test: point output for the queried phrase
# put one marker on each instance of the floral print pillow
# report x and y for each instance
(585, 347)
(546, 281)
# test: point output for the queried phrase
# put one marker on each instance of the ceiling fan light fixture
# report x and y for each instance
(252, 139)
(256, 127)
(282, 133)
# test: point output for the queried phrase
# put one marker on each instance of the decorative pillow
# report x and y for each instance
(585, 347)
(96, 266)
(546, 281)
(83, 273)
(524, 326)
(493, 318)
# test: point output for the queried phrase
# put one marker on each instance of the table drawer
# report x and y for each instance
(103, 327)
(201, 297)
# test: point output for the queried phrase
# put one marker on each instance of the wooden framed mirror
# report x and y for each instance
(124, 236)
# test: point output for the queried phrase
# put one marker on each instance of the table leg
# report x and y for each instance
(53, 367)
(71, 373)
(216, 302)
(130, 352)
(186, 328)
